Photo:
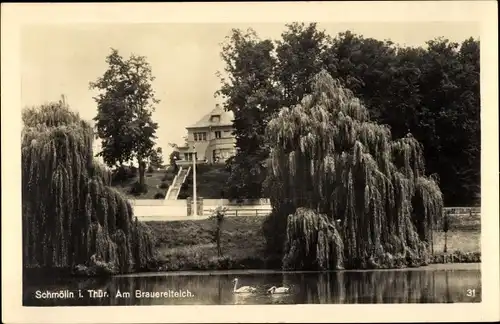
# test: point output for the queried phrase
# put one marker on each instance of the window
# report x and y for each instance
(215, 118)
(190, 156)
(200, 136)
(217, 134)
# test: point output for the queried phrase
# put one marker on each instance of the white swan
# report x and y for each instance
(278, 290)
(244, 289)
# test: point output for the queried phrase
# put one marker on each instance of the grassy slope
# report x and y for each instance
(458, 241)
(153, 181)
(464, 235)
(189, 245)
(464, 240)
(210, 182)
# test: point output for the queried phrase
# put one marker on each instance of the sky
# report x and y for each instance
(63, 59)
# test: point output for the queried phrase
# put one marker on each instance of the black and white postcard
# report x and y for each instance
(250, 162)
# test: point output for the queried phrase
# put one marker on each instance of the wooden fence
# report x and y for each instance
(248, 212)
(463, 218)
(459, 217)
(471, 211)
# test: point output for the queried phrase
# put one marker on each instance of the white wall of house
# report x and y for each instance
(214, 144)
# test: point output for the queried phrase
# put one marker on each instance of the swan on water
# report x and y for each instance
(244, 289)
(278, 290)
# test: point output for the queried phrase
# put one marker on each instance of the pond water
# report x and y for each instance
(433, 284)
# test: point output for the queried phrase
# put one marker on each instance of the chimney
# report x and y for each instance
(217, 106)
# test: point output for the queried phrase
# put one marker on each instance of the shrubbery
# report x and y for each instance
(71, 214)
(168, 176)
(123, 173)
(138, 189)
(159, 195)
(457, 257)
(274, 230)
(351, 194)
(185, 190)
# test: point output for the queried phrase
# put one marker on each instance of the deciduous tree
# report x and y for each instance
(71, 214)
(431, 92)
(156, 158)
(251, 93)
(125, 104)
(329, 161)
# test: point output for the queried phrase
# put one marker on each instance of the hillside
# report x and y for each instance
(153, 181)
(189, 245)
(210, 183)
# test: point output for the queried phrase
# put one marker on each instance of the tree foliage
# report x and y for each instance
(174, 156)
(299, 57)
(156, 158)
(252, 96)
(328, 157)
(218, 215)
(431, 92)
(71, 215)
(125, 104)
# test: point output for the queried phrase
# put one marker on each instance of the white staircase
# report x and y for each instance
(175, 187)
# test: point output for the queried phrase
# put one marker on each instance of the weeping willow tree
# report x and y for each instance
(346, 193)
(71, 216)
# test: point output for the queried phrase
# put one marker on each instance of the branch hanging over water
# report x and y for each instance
(327, 156)
(69, 211)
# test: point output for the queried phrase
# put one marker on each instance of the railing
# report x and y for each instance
(234, 203)
(243, 212)
(175, 187)
(461, 218)
(167, 196)
(182, 182)
(472, 211)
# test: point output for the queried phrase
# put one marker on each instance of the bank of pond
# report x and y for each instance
(190, 246)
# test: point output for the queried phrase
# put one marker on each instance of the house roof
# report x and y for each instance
(226, 118)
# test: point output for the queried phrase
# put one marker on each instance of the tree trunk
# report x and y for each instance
(219, 250)
(432, 240)
(220, 291)
(141, 172)
(445, 242)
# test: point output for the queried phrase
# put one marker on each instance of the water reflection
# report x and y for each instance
(346, 287)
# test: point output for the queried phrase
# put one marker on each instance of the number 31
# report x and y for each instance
(471, 292)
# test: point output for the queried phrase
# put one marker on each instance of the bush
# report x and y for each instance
(274, 230)
(137, 189)
(95, 268)
(123, 173)
(457, 257)
(168, 176)
(159, 195)
(164, 185)
(185, 190)
(150, 169)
